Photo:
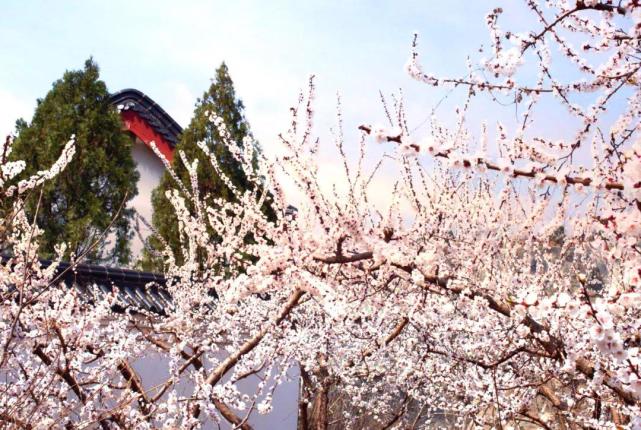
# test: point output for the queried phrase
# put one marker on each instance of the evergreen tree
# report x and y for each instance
(81, 203)
(220, 99)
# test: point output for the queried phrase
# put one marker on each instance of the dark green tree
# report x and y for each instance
(91, 194)
(219, 99)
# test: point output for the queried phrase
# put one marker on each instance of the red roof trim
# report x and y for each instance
(139, 127)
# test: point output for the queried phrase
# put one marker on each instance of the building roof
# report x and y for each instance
(136, 291)
(160, 121)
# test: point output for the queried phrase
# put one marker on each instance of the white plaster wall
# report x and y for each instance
(153, 369)
(150, 169)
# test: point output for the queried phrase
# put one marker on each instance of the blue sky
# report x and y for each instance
(170, 49)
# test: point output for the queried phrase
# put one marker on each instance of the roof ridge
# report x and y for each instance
(150, 111)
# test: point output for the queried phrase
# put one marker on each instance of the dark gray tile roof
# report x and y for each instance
(137, 291)
(150, 111)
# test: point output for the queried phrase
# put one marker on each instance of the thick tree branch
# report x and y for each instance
(251, 343)
(334, 259)
(135, 383)
(516, 172)
(65, 374)
(14, 421)
(231, 416)
(402, 323)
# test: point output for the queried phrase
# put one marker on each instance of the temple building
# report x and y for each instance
(148, 123)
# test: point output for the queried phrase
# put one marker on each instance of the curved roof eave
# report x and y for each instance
(150, 111)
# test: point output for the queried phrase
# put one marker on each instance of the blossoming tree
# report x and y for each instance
(506, 296)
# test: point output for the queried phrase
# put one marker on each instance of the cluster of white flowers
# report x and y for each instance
(632, 171)
(505, 63)
(509, 294)
(11, 169)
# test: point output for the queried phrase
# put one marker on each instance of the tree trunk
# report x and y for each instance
(320, 419)
(303, 400)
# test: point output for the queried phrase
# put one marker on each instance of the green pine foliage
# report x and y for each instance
(221, 100)
(91, 194)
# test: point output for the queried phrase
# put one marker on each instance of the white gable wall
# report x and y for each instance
(150, 169)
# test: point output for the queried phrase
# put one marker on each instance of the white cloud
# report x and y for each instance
(13, 107)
